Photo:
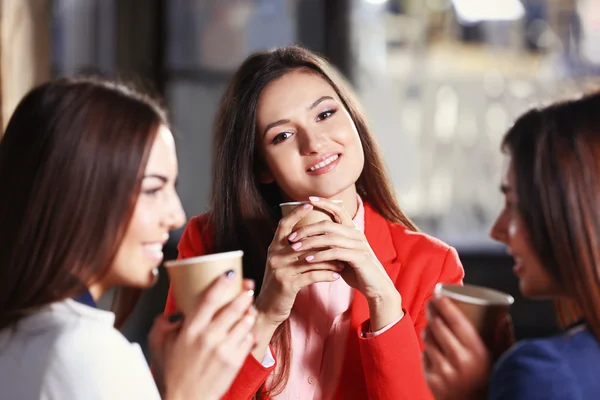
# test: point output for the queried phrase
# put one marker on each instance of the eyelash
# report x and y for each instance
(325, 114)
(277, 139)
(322, 116)
(153, 191)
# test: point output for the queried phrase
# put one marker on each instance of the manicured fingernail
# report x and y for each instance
(336, 275)
(250, 293)
(175, 317)
(307, 206)
(310, 258)
(314, 198)
(249, 319)
(292, 236)
(229, 274)
(296, 246)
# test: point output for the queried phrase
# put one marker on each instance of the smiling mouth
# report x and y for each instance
(324, 163)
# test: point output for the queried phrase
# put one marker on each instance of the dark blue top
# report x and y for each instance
(87, 299)
(565, 367)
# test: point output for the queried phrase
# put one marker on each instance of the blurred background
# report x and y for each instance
(441, 81)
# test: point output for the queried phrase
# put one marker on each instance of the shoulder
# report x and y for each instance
(530, 369)
(431, 255)
(91, 360)
(415, 241)
(196, 239)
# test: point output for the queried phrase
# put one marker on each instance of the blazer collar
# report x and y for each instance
(377, 231)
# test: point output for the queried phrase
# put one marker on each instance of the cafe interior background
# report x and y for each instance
(440, 80)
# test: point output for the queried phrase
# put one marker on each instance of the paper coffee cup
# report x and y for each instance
(485, 308)
(316, 215)
(191, 276)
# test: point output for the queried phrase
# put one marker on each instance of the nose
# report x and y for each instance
(311, 141)
(499, 231)
(175, 217)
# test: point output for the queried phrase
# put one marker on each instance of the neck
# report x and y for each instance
(96, 290)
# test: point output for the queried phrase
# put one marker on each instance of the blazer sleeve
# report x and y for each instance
(252, 374)
(392, 362)
(533, 370)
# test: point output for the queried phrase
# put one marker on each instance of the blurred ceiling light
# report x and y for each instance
(376, 1)
(474, 11)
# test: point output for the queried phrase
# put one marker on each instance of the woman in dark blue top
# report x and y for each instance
(551, 226)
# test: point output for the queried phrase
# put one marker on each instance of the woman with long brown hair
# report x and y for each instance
(341, 304)
(87, 183)
(551, 226)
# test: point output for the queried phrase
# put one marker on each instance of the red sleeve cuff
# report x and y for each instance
(250, 378)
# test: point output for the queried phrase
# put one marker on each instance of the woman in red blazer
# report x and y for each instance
(341, 304)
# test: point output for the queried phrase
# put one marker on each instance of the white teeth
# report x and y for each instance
(324, 163)
(156, 247)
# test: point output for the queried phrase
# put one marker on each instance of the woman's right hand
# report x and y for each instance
(287, 272)
(202, 358)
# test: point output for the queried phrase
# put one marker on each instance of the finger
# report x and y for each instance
(304, 267)
(337, 210)
(209, 304)
(456, 321)
(232, 313)
(323, 228)
(287, 223)
(308, 278)
(242, 328)
(161, 328)
(449, 345)
(295, 262)
(438, 363)
(248, 284)
(351, 256)
(328, 241)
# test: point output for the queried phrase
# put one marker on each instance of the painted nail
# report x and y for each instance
(292, 236)
(229, 274)
(336, 275)
(250, 293)
(314, 198)
(307, 206)
(175, 317)
(249, 319)
(297, 245)
(310, 258)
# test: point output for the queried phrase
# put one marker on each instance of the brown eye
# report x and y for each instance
(325, 115)
(281, 137)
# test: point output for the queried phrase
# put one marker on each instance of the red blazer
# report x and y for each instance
(387, 366)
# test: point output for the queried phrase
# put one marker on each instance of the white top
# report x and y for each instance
(67, 351)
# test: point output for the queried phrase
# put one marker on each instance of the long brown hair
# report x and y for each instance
(555, 153)
(244, 212)
(71, 163)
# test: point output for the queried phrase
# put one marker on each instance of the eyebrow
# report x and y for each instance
(319, 101)
(287, 121)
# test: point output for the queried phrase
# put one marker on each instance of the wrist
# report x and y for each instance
(385, 309)
(386, 299)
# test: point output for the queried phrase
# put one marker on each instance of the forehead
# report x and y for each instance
(296, 89)
(162, 153)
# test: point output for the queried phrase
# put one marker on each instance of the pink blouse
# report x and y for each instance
(320, 320)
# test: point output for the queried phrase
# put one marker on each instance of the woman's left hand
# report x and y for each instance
(342, 241)
(457, 363)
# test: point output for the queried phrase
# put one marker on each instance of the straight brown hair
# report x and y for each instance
(244, 213)
(555, 154)
(71, 163)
